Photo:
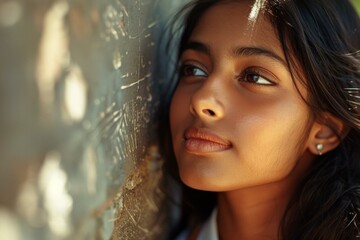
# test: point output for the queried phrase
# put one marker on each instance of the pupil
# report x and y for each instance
(252, 78)
(188, 71)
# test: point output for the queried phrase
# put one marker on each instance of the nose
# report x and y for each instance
(205, 104)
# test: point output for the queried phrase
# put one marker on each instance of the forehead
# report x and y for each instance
(234, 23)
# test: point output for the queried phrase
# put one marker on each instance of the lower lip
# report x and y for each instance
(195, 145)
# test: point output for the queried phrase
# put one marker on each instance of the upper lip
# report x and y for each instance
(202, 134)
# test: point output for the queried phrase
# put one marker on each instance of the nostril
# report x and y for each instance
(209, 112)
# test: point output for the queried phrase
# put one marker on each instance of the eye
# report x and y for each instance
(189, 70)
(256, 76)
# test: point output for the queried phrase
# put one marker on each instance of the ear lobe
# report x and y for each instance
(326, 134)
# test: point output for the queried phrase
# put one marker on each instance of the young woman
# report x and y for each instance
(265, 120)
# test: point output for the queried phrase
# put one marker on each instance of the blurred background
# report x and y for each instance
(357, 5)
(78, 100)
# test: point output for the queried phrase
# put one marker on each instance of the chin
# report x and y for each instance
(203, 182)
(196, 181)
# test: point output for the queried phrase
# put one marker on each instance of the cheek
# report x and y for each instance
(174, 111)
(274, 139)
(179, 110)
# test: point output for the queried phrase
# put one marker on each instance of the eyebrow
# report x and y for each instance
(237, 51)
(197, 46)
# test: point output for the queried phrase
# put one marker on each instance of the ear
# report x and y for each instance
(326, 134)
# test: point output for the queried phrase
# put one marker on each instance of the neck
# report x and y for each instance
(256, 212)
(253, 213)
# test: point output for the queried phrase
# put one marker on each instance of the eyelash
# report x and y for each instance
(253, 71)
(191, 67)
(242, 77)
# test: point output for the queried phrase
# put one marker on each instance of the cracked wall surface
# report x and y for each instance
(79, 156)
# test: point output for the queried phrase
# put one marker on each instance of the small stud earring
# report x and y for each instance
(319, 148)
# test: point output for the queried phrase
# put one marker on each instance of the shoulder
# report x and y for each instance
(183, 235)
(206, 231)
(190, 234)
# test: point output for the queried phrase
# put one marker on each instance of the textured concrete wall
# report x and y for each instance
(77, 100)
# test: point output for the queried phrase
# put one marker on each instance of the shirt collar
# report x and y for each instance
(209, 230)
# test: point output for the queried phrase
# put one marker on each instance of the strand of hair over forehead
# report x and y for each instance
(255, 11)
(257, 8)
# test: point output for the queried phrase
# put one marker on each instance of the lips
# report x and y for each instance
(201, 141)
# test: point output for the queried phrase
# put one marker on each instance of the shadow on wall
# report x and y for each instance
(78, 154)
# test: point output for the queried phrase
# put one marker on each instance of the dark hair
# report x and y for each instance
(321, 43)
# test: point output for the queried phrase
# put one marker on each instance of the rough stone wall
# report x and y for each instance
(77, 104)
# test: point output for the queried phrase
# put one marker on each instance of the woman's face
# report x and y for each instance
(237, 119)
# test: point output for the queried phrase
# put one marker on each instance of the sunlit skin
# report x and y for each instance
(239, 125)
